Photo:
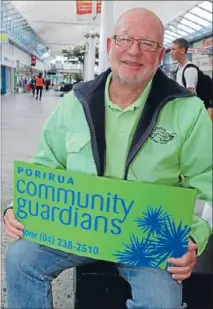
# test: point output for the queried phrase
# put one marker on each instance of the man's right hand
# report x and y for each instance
(13, 228)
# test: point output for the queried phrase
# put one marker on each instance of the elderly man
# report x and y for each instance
(133, 123)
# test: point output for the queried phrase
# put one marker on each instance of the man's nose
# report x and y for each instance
(135, 50)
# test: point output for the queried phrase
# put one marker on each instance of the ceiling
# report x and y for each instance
(58, 26)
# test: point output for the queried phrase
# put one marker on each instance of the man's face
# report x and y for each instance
(177, 52)
(133, 64)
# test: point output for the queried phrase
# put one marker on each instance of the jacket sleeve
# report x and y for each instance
(196, 170)
(52, 149)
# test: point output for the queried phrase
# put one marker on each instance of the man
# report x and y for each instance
(108, 127)
(190, 74)
(32, 84)
(39, 86)
(178, 52)
(47, 84)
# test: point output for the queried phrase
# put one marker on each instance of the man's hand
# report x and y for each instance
(12, 226)
(185, 264)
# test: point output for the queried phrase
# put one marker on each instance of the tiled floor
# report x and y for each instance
(22, 118)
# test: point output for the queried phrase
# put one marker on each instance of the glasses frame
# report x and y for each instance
(114, 37)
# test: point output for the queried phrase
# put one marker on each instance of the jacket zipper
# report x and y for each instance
(145, 137)
(149, 129)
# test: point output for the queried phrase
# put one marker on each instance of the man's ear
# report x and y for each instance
(109, 44)
(183, 51)
(162, 54)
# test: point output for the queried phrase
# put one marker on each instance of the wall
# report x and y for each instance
(17, 64)
(7, 55)
(204, 62)
(11, 54)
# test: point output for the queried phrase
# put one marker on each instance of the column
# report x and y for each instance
(91, 55)
(85, 71)
(106, 29)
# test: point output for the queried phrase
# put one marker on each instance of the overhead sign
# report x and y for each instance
(83, 7)
(33, 60)
(207, 43)
(198, 51)
(141, 224)
(98, 7)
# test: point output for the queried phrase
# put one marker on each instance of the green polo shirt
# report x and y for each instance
(120, 127)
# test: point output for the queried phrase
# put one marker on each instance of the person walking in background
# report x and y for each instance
(178, 52)
(25, 85)
(33, 84)
(47, 84)
(39, 86)
(190, 76)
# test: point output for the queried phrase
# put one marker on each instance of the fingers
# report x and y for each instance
(185, 260)
(192, 246)
(184, 265)
(181, 270)
(12, 231)
(181, 273)
(12, 226)
(12, 234)
(12, 221)
(180, 278)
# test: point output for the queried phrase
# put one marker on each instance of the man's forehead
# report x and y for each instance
(140, 24)
(137, 31)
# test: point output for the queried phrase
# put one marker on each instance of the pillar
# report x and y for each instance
(90, 61)
(106, 30)
(85, 77)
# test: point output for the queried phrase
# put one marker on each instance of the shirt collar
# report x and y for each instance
(139, 103)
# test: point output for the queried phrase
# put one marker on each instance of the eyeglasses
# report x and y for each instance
(126, 42)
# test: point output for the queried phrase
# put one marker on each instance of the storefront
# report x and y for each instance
(16, 68)
(24, 74)
(8, 67)
(204, 61)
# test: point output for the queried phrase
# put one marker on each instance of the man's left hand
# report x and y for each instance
(184, 265)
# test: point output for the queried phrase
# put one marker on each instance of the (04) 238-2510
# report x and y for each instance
(60, 242)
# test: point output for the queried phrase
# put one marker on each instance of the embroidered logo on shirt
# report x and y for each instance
(161, 136)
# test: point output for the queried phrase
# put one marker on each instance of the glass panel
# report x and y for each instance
(207, 5)
(202, 13)
(166, 40)
(197, 19)
(172, 34)
(178, 31)
(190, 24)
(169, 37)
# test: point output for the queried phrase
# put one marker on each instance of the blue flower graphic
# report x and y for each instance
(137, 253)
(152, 221)
(172, 242)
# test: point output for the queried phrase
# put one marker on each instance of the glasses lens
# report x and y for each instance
(148, 45)
(123, 41)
